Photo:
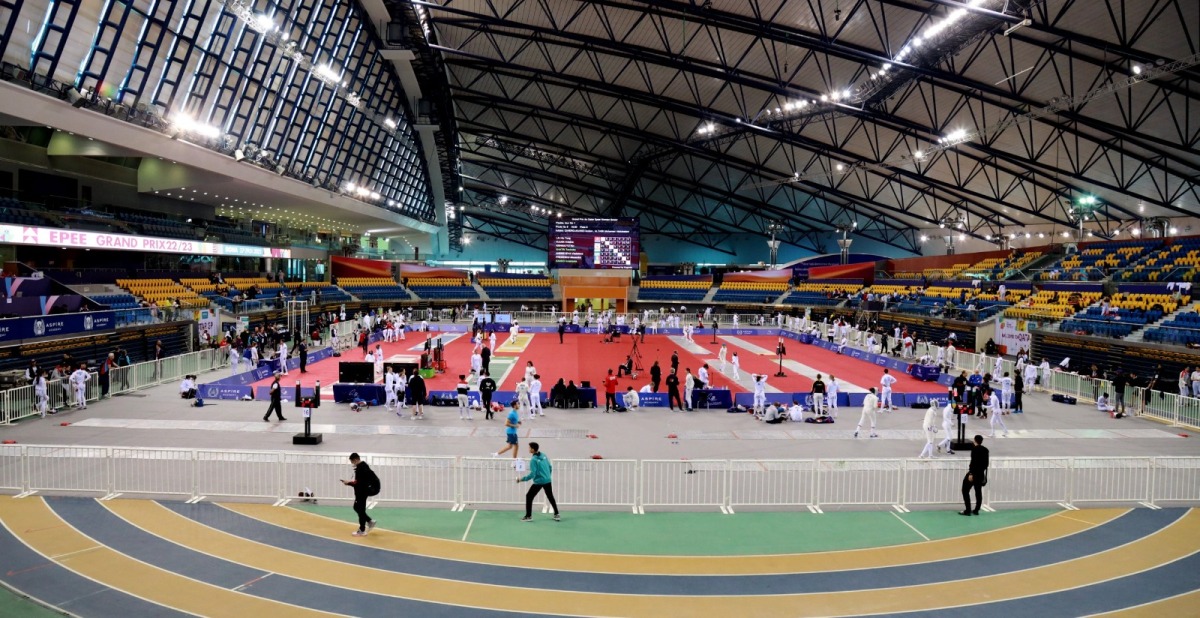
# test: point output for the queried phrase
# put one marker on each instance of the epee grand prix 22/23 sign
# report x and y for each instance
(82, 239)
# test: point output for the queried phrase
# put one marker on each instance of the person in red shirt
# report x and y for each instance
(610, 391)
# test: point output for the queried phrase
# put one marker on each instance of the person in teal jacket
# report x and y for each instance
(539, 473)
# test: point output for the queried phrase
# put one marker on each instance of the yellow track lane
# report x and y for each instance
(1187, 604)
(1037, 531)
(1171, 543)
(39, 527)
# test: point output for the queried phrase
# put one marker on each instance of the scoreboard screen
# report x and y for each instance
(594, 243)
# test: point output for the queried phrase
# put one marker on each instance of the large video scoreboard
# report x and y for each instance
(581, 242)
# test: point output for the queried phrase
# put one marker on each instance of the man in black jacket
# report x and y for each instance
(276, 400)
(976, 477)
(485, 355)
(302, 349)
(655, 376)
(673, 391)
(487, 386)
(562, 328)
(365, 484)
(416, 390)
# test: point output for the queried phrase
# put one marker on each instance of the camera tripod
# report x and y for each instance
(636, 355)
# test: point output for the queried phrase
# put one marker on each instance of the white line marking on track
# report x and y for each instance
(468, 530)
(897, 516)
(252, 582)
(1150, 506)
(73, 553)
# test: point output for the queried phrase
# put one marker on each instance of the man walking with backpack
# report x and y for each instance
(539, 473)
(365, 485)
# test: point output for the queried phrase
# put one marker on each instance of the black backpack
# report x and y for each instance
(372, 482)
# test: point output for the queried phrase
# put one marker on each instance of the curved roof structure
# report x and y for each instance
(892, 115)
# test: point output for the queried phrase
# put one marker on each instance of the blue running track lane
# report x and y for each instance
(1156, 584)
(92, 519)
(35, 575)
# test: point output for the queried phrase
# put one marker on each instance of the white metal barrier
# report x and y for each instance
(1029, 481)
(18, 403)
(687, 483)
(670, 484)
(860, 482)
(772, 483)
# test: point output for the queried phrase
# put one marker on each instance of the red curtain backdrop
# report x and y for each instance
(417, 270)
(358, 267)
(864, 271)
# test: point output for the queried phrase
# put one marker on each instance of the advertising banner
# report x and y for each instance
(83, 239)
(1014, 335)
(14, 329)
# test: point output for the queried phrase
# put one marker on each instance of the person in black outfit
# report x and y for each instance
(159, 353)
(959, 387)
(674, 362)
(673, 391)
(487, 386)
(558, 394)
(976, 477)
(365, 484)
(276, 400)
(1018, 407)
(1120, 381)
(655, 376)
(626, 368)
(562, 328)
(302, 349)
(573, 395)
(486, 355)
(416, 390)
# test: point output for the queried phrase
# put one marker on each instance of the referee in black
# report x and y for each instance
(276, 400)
(976, 477)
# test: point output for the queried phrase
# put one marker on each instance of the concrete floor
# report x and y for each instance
(156, 417)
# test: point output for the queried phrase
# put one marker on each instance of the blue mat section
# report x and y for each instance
(32, 574)
(1130, 527)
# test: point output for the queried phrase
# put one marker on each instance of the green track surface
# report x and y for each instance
(13, 605)
(687, 534)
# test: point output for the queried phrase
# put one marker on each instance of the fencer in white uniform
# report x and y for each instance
(870, 403)
(995, 416)
(929, 426)
(949, 420)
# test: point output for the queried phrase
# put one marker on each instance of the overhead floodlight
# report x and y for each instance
(264, 23)
(924, 238)
(954, 137)
(1174, 231)
(1135, 231)
(1137, 69)
(391, 124)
